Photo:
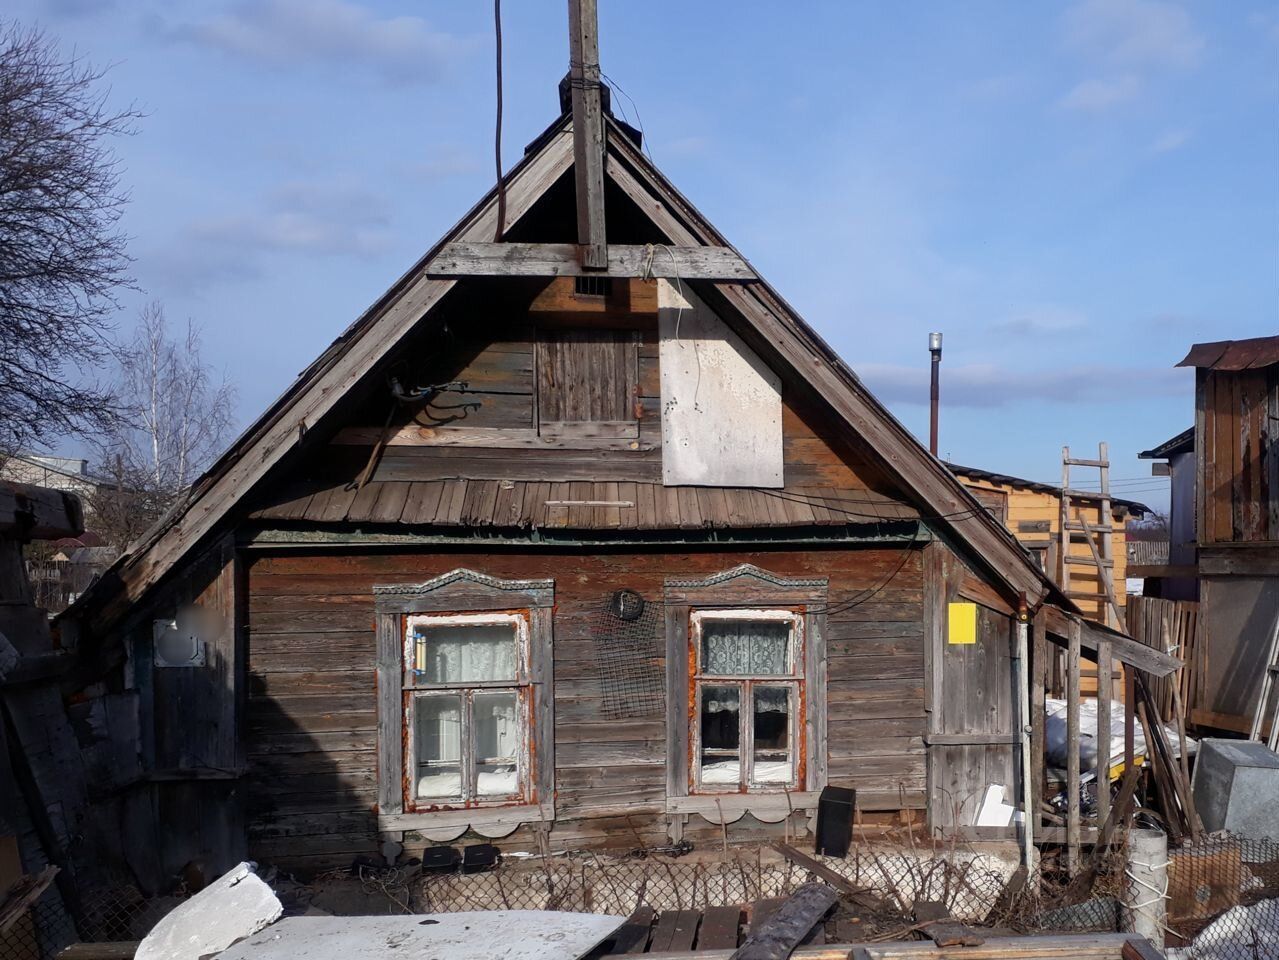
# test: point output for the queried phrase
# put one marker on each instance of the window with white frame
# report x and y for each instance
(466, 691)
(748, 684)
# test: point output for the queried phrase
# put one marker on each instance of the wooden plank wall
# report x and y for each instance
(312, 711)
(1238, 460)
(974, 700)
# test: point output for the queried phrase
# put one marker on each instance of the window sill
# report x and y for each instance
(491, 822)
(731, 807)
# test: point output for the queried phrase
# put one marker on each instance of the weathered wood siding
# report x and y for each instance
(1235, 416)
(475, 433)
(312, 703)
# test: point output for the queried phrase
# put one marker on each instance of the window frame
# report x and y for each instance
(463, 593)
(792, 680)
(414, 690)
(744, 587)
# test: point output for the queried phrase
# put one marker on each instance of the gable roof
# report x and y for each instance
(757, 313)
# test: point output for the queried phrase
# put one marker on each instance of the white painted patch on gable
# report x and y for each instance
(721, 405)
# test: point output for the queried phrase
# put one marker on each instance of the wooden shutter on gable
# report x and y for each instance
(587, 377)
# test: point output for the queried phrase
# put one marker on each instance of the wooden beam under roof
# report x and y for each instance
(460, 259)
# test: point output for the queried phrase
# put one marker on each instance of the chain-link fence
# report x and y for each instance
(120, 913)
(1223, 900)
(1222, 895)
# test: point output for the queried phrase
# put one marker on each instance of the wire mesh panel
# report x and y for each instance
(626, 633)
(1223, 899)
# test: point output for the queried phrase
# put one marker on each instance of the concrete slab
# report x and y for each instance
(478, 935)
(236, 905)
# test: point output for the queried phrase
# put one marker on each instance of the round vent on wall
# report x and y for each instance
(627, 605)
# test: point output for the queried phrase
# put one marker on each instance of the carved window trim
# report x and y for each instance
(464, 592)
(744, 587)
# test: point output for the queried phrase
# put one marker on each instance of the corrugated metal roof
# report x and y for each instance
(580, 505)
(1233, 354)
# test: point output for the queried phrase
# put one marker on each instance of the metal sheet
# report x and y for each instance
(721, 405)
(1234, 354)
(477, 935)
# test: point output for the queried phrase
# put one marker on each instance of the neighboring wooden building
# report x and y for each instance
(1032, 513)
(574, 560)
(1175, 576)
(1235, 497)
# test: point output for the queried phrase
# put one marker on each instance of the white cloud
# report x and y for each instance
(1099, 94)
(1171, 140)
(330, 33)
(1044, 320)
(321, 217)
(333, 217)
(990, 385)
(1134, 33)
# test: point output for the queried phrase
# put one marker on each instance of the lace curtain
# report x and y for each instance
(464, 653)
(745, 648)
(717, 699)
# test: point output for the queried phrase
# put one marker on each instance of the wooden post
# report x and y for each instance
(588, 131)
(1039, 665)
(1072, 749)
(1104, 684)
(1130, 717)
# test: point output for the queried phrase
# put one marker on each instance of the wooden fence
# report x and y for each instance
(1173, 627)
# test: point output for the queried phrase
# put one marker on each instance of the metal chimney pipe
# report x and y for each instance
(934, 347)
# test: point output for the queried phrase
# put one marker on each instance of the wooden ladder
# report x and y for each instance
(1267, 690)
(1096, 535)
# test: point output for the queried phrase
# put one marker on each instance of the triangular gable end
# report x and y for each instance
(763, 320)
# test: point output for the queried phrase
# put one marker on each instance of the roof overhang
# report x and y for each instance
(1233, 354)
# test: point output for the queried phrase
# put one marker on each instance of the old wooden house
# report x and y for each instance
(577, 558)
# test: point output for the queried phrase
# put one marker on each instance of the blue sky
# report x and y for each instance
(1072, 192)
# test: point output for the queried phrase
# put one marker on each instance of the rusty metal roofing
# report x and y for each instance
(580, 505)
(1233, 354)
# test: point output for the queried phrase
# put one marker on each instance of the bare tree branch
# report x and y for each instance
(62, 256)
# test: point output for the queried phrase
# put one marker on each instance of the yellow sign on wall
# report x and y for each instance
(962, 623)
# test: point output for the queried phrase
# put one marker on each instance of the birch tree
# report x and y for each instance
(178, 415)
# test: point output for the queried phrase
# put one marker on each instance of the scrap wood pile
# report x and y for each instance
(801, 926)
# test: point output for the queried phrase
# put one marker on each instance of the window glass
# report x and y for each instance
(740, 648)
(772, 733)
(464, 653)
(437, 740)
(497, 732)
(721, 723)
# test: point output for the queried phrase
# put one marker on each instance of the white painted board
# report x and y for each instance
(721, 404)
(475, 935)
